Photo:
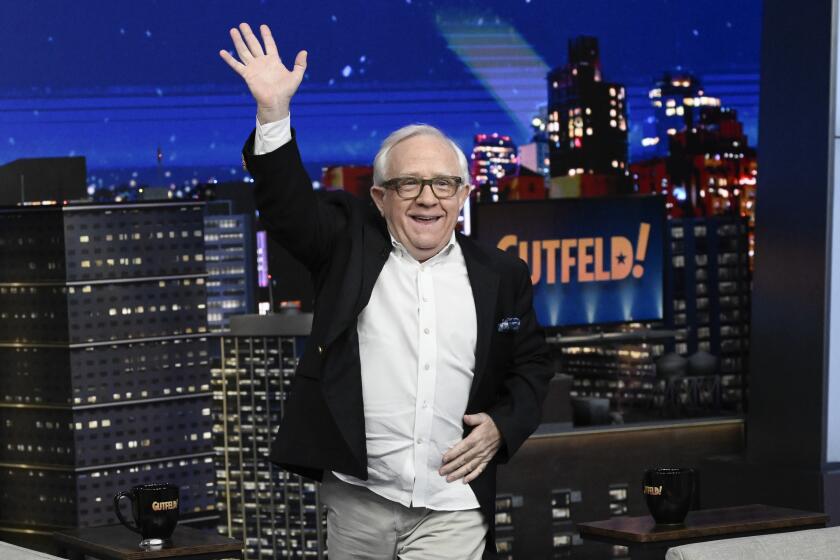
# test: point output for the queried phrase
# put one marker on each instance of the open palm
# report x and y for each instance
(269, 81)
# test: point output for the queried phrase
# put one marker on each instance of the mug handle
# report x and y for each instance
(122, 519)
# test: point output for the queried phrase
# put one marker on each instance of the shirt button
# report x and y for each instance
(426, 367)
(426, 331)
(425, 404)
(419, 441)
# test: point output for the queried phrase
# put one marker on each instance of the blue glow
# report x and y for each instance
(113, 81)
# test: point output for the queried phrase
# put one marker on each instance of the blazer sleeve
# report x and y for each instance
(303, 222)
(518, 411)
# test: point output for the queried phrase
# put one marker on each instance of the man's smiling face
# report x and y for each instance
(425, 224)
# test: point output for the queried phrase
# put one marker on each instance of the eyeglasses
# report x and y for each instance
(410, 187)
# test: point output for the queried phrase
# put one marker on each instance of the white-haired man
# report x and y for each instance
(425, 366)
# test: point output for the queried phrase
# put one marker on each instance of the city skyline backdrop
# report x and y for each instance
(148, 76)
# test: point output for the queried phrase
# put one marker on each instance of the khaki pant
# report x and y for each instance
(365, 526)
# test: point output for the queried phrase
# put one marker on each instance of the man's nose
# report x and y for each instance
(427, 196)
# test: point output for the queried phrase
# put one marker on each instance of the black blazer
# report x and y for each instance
(344, 243)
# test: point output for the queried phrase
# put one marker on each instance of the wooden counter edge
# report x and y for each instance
(682, 533)
(94, 549)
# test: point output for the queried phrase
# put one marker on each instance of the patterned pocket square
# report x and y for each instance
(511, 324)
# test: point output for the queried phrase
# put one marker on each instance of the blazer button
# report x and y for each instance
(320, 349)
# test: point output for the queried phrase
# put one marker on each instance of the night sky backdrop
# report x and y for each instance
(115, 80)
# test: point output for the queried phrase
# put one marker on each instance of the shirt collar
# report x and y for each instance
(440, 255)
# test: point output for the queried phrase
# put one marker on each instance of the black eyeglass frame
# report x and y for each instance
(394, 184)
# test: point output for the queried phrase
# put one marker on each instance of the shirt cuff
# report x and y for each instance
(271, 136)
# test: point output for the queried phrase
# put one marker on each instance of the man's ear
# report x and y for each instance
(464, 194)
(378, 196)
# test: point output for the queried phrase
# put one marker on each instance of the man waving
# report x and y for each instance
(425, 367)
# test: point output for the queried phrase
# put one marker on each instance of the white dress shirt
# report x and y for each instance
(417, 338)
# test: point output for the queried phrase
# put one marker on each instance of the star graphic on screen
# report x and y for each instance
(621, 258)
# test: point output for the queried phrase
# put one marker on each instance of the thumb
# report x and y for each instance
(474, 419)
(300, 63)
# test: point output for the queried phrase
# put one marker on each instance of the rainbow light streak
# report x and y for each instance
(502, 61)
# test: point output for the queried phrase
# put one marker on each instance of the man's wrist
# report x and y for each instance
(266, 115)
(270, 136)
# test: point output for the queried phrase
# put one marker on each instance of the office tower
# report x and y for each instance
(230, 253)
(275, 513)
(619, 370)
(504, 523)
(103, 345)
(35, 179)
(710, 169)
(535, 155)
(707, 302)
(713, 165)
(677, 100)
(711, 287)
(587, 123)
(563, 533)
(493, 157)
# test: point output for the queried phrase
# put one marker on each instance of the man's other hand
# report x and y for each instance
(469, 457)
(271, 84)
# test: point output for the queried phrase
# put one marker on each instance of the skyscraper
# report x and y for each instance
(230, 253)
(103, 345)
(710, 169)
(677, 100)
(276, 514)
(710, 290)
(587, 117)
(493, 157)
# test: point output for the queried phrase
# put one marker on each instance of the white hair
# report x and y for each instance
(380, 162)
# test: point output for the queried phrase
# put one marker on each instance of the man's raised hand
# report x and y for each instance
(271, 84)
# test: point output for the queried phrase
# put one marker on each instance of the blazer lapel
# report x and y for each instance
(484, 282)
(375, 248)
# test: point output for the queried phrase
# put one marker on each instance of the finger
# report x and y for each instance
(251, 40)
(239, 45)
(270, 45)
(460, 473)
(457, 450)
(463, 471)
(479, 450)
(475, 419)
(237, 66)
(459, 461)
(300, 65)
(451, 465)
(475, 472)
